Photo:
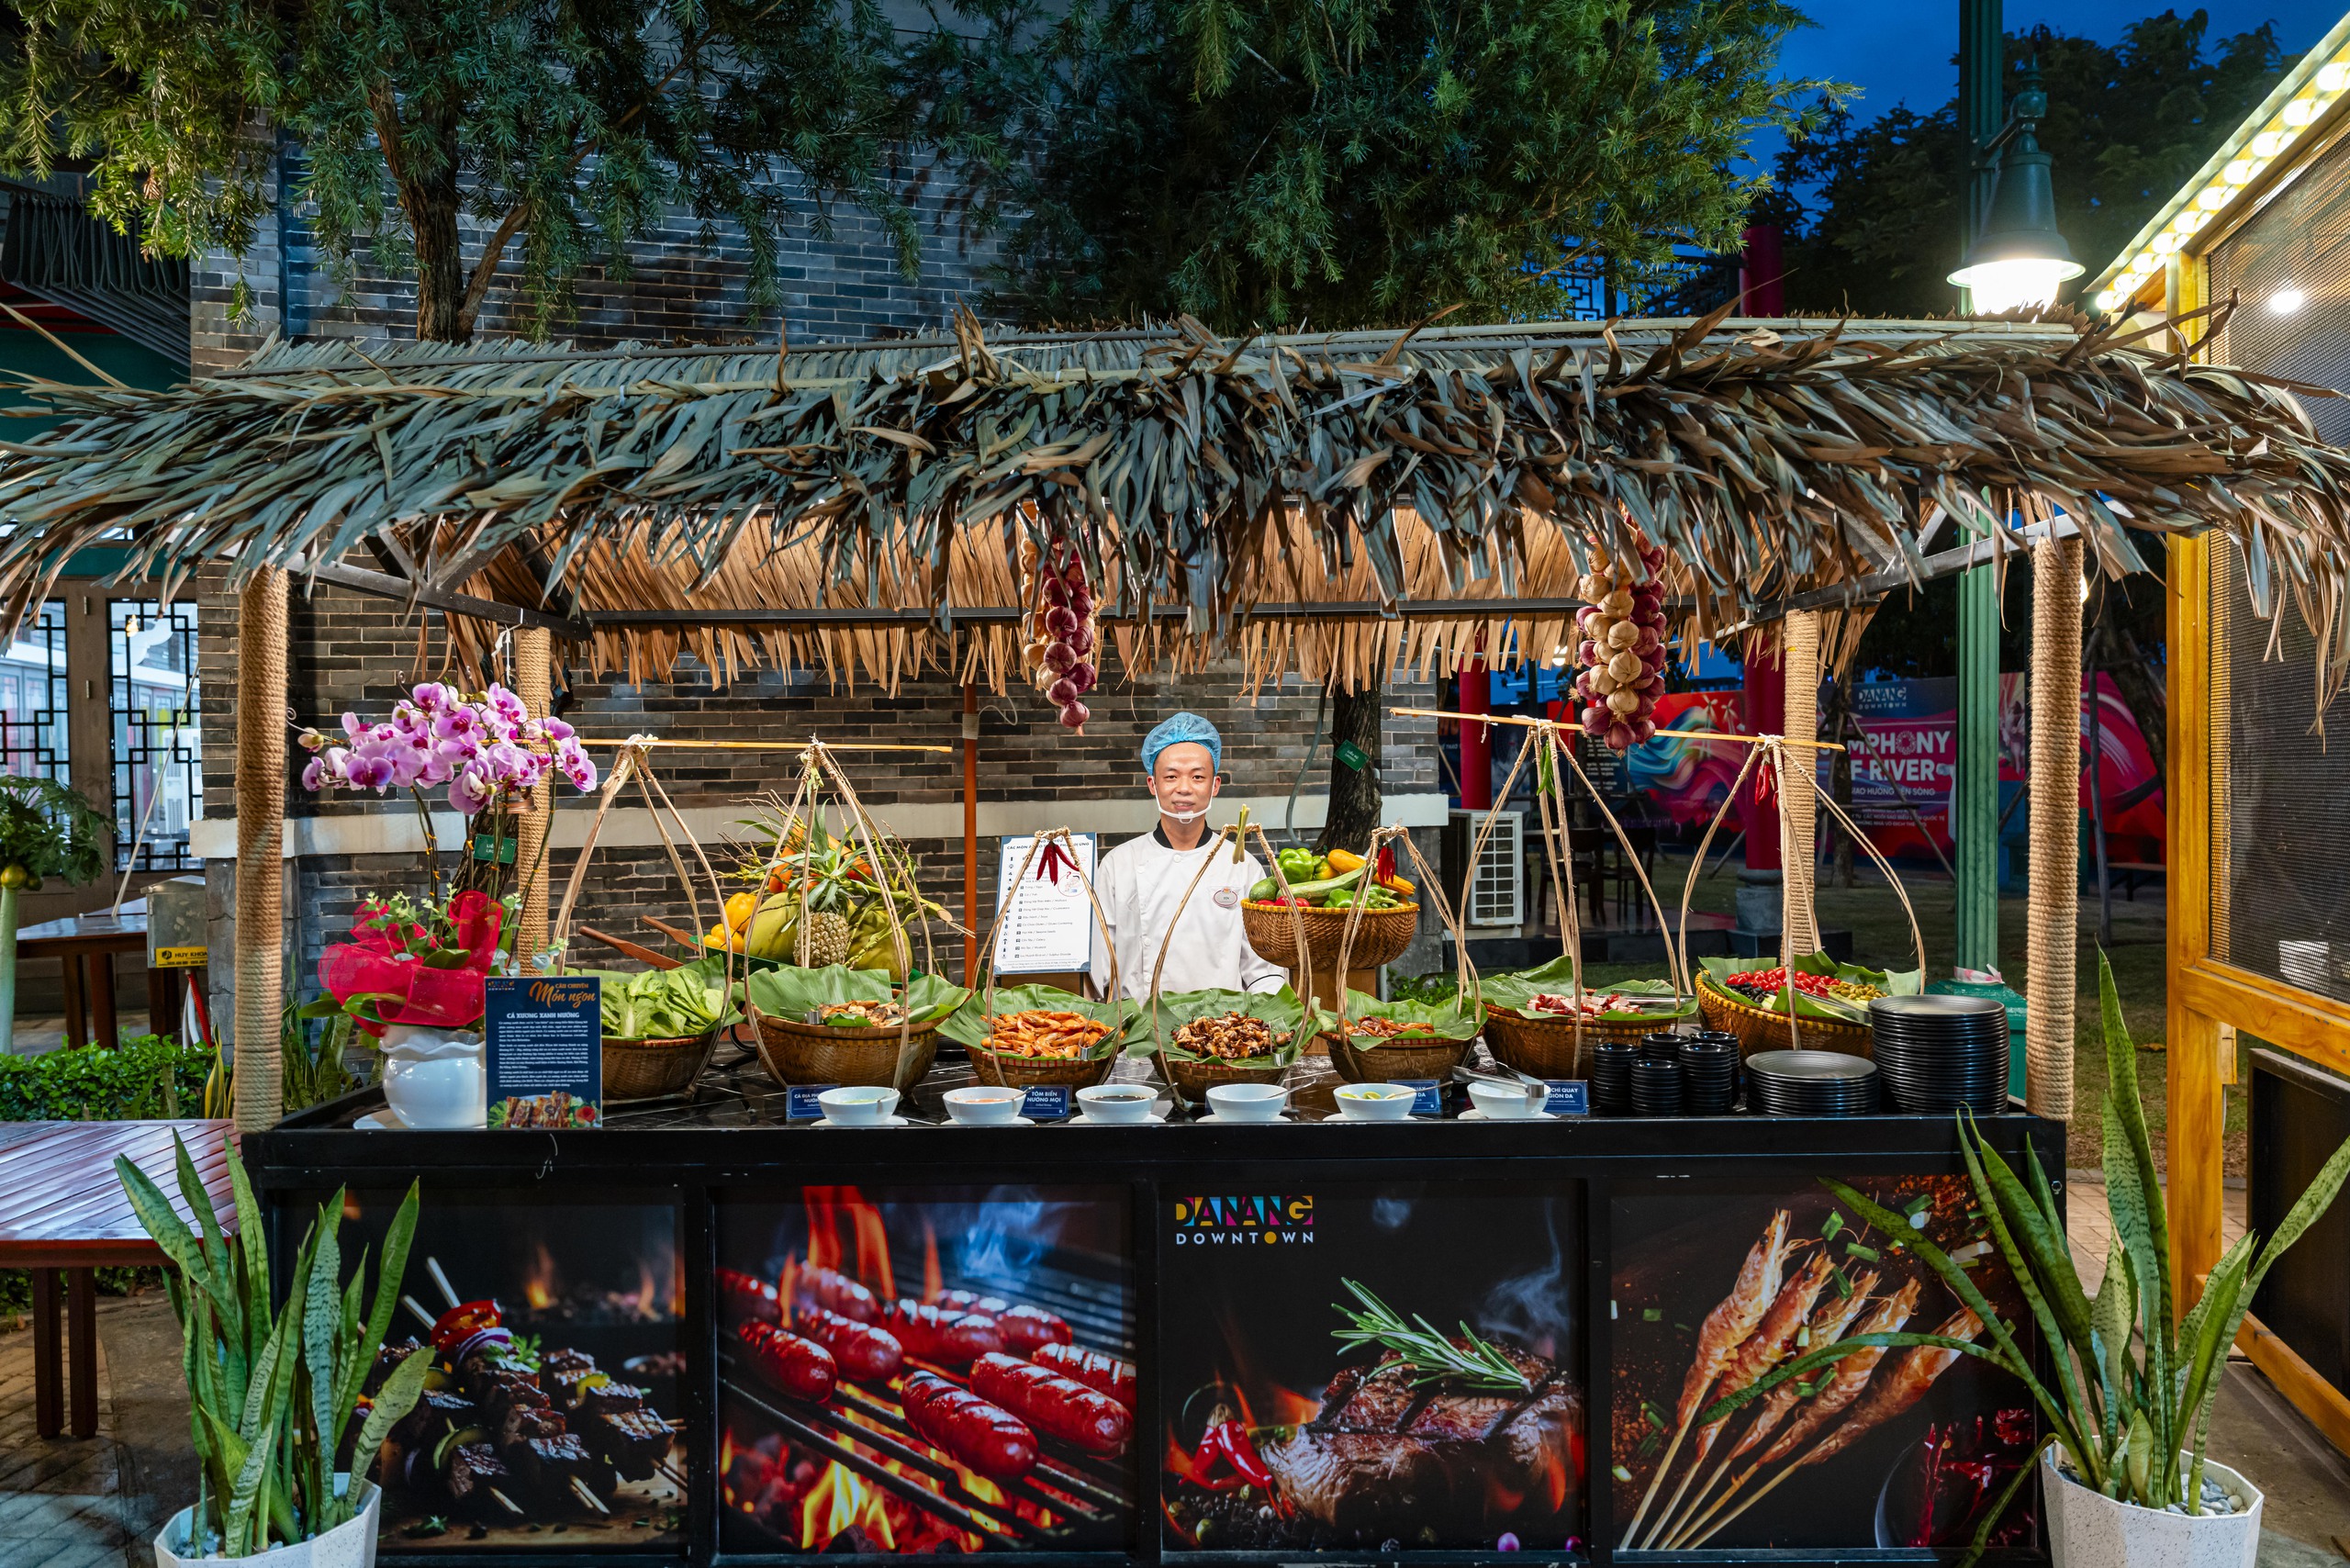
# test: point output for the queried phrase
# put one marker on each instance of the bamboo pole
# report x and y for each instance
(752, 745)
(2052, 934)
(1724, 735)
(261, 825)
(1800, 726)
(534, 684)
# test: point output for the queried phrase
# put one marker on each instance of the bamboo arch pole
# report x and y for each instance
(2053, 922)
(534, 684)
(1799, 668)
(261, 835)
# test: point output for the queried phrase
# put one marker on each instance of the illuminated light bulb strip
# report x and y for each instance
(2301, 111)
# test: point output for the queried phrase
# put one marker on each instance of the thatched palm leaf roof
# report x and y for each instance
(1767, 458)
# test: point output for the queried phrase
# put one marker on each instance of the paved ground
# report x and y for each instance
(98, 1504)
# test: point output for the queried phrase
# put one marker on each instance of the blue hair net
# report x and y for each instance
(1182, 729)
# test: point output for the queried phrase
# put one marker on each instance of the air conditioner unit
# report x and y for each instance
(1497, 889)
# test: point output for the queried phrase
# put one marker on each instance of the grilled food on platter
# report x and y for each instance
(1230, 1036)
(1598, 1003)
(862, 1015)
(1046, 1034)
(1391, 1028)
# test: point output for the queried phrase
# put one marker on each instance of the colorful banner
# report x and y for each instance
(1903, 763)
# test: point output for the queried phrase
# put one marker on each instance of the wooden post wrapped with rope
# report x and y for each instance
(2053, 921)
(534, 684)
(261, 836)
(1799, 783)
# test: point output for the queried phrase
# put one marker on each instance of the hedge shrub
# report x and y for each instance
(141, 1079)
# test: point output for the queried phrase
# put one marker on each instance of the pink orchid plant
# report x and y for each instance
(487, 752)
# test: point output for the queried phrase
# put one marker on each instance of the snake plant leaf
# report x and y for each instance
(2113, 1316)
(2043, 1273)
(322, 1318)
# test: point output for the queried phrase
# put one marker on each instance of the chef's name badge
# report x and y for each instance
(1227, 898)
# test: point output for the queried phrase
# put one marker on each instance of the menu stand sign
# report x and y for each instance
(1047, 921)
(546, 1050)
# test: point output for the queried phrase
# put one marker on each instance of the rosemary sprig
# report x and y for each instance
(1431, 1356)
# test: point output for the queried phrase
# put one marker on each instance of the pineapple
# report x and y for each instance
(826, 902)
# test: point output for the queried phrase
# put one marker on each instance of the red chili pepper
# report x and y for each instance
(1226, 1446)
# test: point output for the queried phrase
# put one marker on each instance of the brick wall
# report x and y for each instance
(351, 651)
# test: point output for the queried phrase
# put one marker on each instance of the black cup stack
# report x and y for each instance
(1656, 1086)
(1708, 1073)
(1810, 1083)
(1936, 1053)
(1611, 1075)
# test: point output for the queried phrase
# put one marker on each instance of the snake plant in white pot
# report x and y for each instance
(2126, 1410)
(271, 1396)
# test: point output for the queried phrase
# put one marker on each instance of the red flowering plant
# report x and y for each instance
(422, 960)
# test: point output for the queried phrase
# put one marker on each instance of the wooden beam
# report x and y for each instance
(2193, 1094)
(383, 585)
(2325, 1404)
(2300, 1022)
(999, 614)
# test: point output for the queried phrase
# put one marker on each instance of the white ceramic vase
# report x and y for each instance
(348, 1545)
(436, 1078)
(2088, 1529)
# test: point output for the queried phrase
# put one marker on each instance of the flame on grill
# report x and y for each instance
(934, 1283)
(543, 1283)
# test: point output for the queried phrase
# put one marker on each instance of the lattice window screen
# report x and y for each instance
(2280, 792)
(2280, 799)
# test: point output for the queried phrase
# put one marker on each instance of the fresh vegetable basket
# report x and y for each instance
(895, 1055)
(660, 1028)
(1429, 1039)
(1331, 885)
(1532, 1039)
(1044, 1009)
(1823, 1021)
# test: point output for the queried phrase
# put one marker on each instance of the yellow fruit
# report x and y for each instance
(1343, 861)
(773, 927)
(718, 936)
(1400, 884)
(739, 909)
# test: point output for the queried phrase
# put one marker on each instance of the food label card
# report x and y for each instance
(1047, 922)
(1429, 1102)
(1569, 1097)
(800, 1101)
(546, 1050)
(1046, 1103)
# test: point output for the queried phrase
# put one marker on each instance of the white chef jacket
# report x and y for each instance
(1140, 882)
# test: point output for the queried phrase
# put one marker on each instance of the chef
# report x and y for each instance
(1141, 882)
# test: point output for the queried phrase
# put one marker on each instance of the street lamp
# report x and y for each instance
(2018, 258)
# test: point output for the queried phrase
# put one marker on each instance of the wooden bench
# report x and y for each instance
(62, 1211)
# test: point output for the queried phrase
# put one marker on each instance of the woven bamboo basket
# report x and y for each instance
(1545, 1046)
(1381, 938)
(654, 1069)
(1391, 1059)
(817, 1053)
(1758, 1030)
(1191, 1080)
(1029, 1072)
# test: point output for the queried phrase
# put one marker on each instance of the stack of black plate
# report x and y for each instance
(1715, 1036)
(1662, 1045)
(1938, 1053)
(1810, 1083)
(1656, 1087)
(1611, 1075)
(1708, 1074)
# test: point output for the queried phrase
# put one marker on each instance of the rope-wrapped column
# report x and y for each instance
(1801, 666)
(2053, 921)
(534, 684)
(261, 833)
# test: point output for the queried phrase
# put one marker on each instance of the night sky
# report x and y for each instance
(1899, 54)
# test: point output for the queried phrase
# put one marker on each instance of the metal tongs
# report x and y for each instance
(1537, 1091)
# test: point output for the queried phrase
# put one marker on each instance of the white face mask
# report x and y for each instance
(1181, 816)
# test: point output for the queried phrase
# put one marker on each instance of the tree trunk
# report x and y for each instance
(1354, 788)
(432, 207)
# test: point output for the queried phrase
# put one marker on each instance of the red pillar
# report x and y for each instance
(1476, 740)
(1761, 282)
(1766, 714)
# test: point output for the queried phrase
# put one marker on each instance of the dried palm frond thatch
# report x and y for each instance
(1767, 458)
